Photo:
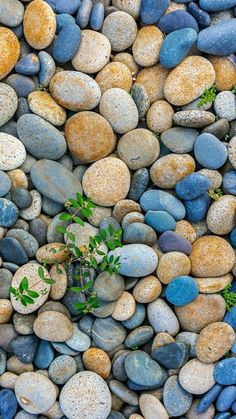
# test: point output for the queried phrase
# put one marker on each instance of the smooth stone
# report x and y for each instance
(192, 186)
(218, 39)
(83, 15)
(50, 207)
(58, 289)
(157, 200)
(8, 404)
(139, 233)
(79, 341)
(232, 152)
(225, 399)
(9, 160)
(97, 16)
(52, 234)
(38, 230)
(196, 377)
(194, 118)
(64, 19)
(63, 349)
(62, 369)
(214, 176)
(181, 290)
(141, 99)
(28, 65)
(35, 393)
(54, 181)
(9, 128)
(21, 197)
(124, 207)
(11, 13)
(75, 91)
(150, 405)
(189, 339)
(10, 48)
(43, 105)
(27, 241)
(170, 54)
(186, 230)
(109, 287)
(171, 265)
(214, 341)
(151, 12)
(88, 388)
(98, 361)
(172, 355)
(53, 326)
(5, 183)
(59, 6)
(196, 209)
(3, 361)
(24, 347)
(170, 169)
(23, 323)
(121, 30)
(176, 20)
(176, 400)
(212, 285)
(221, 215)
(153, 79)
(161, 221)
(47, 68)
(138, 184)
(39, 24)
(225, 72)
(229, 182)
(52, 252)
(34, 210)
(179, 140)
(8, 103)
(8, 213)
(118, 365)
(217, 5)
(169, 241)
(108, 333)
(22, 85)
(206, 309)
(115, 74)
(137, 319)
(152, 374)
(5, 310)
(12, 251)
(162, 318)
(208, 414)
(151, 38)
(7, 380)
(5, 283)
(44, 355)
(225, 371)
(66, 43)
(225, 105)
(202, 17)
(233, 237)
(86, 324)
(123, 392)
(147, 289)
(209, 397)
(139, 336)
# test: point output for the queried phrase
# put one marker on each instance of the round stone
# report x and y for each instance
(119, 109)
(42, 104)
(10, 48)
(124, 207)
(232, 152)
(139, 336)
(21, 197)
(209, 151)
(147, 45)
(150, 405)
(98, 361)
(114, 74)
(186, 230)
(225, 105)
(75, 91)
(179, 140)
(141, 99)
(35, 393)
(194, 118)
(225, 72)
(128, 60)
(108, 333)
(93, 53)
(11, 13)
(196, 377)
(147, 289)
(5, 311)
(125, 307)
(225, 371)
(206, 257)
(8, 103)
(181, 290)
(107, 181)
(162, 318)
(62, 369)
(209, 413)
(51, 252)
(159, 116)
(131, 7)
(121, 30)
(177, 401)
(189, 80)
(143, 370)
(85, 396)
(173, 264)
(109, 287)
(39, 24)
(9, 159)
(138, 148)
(58, 289)
(212, 285)
(89, 136)
(153, 80)
(214, 177)
(79, 341)
(53, 326)
(170, 169)
(221, 215)
(8, 213)
(19, 178)
(161, 339)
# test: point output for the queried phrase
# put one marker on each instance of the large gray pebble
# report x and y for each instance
(27, 241)
(8, 97)
(11, 12)
(179, 140)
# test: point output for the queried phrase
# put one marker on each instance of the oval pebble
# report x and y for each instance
(196, 377)
(53, 326)
(121, 30)
(9, 160)
(214, 341)
(181, 290)
(42, 104)
(10, 48)
(177, 401)
(62, 369)
(39, 24)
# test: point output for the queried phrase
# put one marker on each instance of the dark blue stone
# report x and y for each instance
(196, 209)
(143, 370)
(51, 207)
(64, 20)
(118, 365)
(67, 43)
(202, 17)
(8, 213)
(176, 400)
(161, 221)
(8, 404)
(192, 186)
(97, 16)
(108, 333)
(18, 31)
(12, 251)
(23, 107)
(84, 12)
(151, 10)
(176, 46)
(21, 197)
(9, 128)
(64, 6)
(225, 371)
(139, 336)
(139, 184)
(22, 85)
(233, 407)
(5, 183)
(179, 19)
(25, 347)
(233, 237)
(44, 355)
(209, 398)
(86, 324)
(225, 399)
(172, 355)
(181, 290)
(229, 182)
(225, 415)
(173, 242)
(137, 318)
(230, 316)
(219, 39)
(28, 65)
(138, 387)
(158, 200)
(216, 5)
(70, 299)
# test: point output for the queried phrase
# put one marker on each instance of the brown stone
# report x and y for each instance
(42, 104)
(172, 264)
(5, 310)
(214, 341)
(125, 307)
(114, 74)
(221, 215)
(147, 45)
(124, 207)
(212, 285)
(186, 230)
(58, 289)
(18, 178)
(10, 51)
(39, 24)
(128, 60)
(147, 289)
(51, 252)
(160, 116)
(225, 72)
(170, 169)
(153, 80)
(97, 360)
(53, 326)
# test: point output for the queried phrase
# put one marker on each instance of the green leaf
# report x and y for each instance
(88, 285)
(103, 234)
(111, 229)
(86, 212)
(110, 270)
(24, 285)
(27, 300)
(93, 262)
(111, 245)
(13, 290)
(49, 281)
(79, 305)
(77, 252)
(111, 258)
(74, 203)
(61, 229)
(80, 198)
(58, 270)
(32, 294)
(79, 221)
(92, 242)
(76, 289)
(98, 239)
(116, 260)
(66, 217)
(23, 302)
(99, 252)
(70, 236)
(41, 272)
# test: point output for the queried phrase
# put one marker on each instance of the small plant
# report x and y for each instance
(234, 90)
(229, 296)
(215, 194)
(86, 256)
(209, 95)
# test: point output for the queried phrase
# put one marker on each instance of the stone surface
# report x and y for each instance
(177, 401)
(98, 361)
(53, 326)
(162, 318)
(167, 171)
(196, 377)
(150, 406)
(173, 264)
(11, 51)
(121, 30)
(9, 160)
(214, 341)
(146, 46)
(114, 74)
(39, 24)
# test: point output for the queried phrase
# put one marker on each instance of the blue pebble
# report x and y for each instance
(137, 319)
(151, 10)
(143, 370)
(84, 12)
(64, 6)
(8, 404)
(47, 68)
(230, 316)
(209, 151)
(97, 16)
(139, 184)
(176, 46)
(51, 207)
(138, 387)
(67, 43)
(24, 347)
(23, 107)
(216, 5)
(173, 242)
(161, 221)
(64, 20)
(192, 186)
(233, 349)
(12, 251)
(181, 290)
(225, 415)
(178, 19)
(171, 355)
(196, 209)
(233, 237)
(226, 398)
(225, 371)
(219, 39)
(176, 400)
(3, 361)
(8, 213)
(18, 31)
(158, 200)
(22, 85)
(209, 398)
(229, 182)
(233, 407)
(202, 17)
(28, 65)
(139, 233)
(5, 183)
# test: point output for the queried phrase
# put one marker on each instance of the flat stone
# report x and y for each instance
(162, 318)
(194, 118)
(158, 200)
(9, 213)
(213, 285)
(8, 102)
(124, 393)
(214, 341)
(25, 347)
(61, 369)
(150, 405)
(196, 377)
(218, 39)
(125, 307)
(42, 104)
(143, 370)
(179, 140)
(79, 341)
(177, 401)
(221, 215)
(171, 355)
(225, 371)
(12, 251)
(109, 287)
(53, 326)
(121, 30)
(146, 46)
(34, 210)
(115, 74)
(39, 24)
(139, 336)
(9, 160)
(147, 289)
(167, 171)
(108, 333)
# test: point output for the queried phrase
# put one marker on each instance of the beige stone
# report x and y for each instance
(125, 307)
(18, 178)
(194, 414)
(10, 51)
(129, 6)
(18, 367)
(6, 310)
(221, 215)
(58, 289)
(124, 207)
(170, 169)
(147, 45)
(225, 72)
(128, 60)
(186, 230)
(42, 104)
(98, 361)
(51, 252)
(151, 407)
(147, 289)
(8, 379)
(212, 285)
(153, 80)
(121, 30)
(214, 341)
(196, 377)
(39, 24)
(172, 264)
(160, 116)
(115, 74)
(53, 326)
(161, 339)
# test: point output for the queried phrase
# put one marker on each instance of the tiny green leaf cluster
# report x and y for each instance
(229, 297)
(209, 95)
(234, 90)
(215, 194)
(86, 256)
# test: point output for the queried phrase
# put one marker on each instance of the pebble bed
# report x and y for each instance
(104, 98)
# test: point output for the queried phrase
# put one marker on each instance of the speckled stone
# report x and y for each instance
(141, 99)
(33, 211)
(98, 361)
(153, 80)
(150, 405)
(147, 289)
(47, 68)
(186, 230)
(214, 176)
(53, 326)
(62, 369)
(115, 74)
(124, 207)
(93, 53)
(132, 7)
(170, 169)
(189, 80)
(194, 119)
(162, 318)
(225, 105)
(39, 24)
(225, 72)
(159, 116)
(11, 13)
(10, 48)
(212, 285)
(108, 333)
(46, 253)
(193, 412)
(127, 59)
(232, 151)
(23, 323)
(177, 401)
(221, 215)
(58, 289)
(89, 136)
(146, 46)
(173, 264)
(109, 287)
(196, 377)
(9, 159)
(179, 140)
(8, 103)
(115, 181)
(214, 341)
(6, 310)
(42, 104)
(121, 30)
(132, 217)
(18, 178)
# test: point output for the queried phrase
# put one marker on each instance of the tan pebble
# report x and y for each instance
(121, 30)
(98, 361)
(225, 72)
(157, 250)
(147, 45)
(128, 60)
(214, 176)
(158, 393)
(188, 80)
(53, 326)
(138, 148)
(151, 407)
(136, 416)
(173, 264)
(147, 289)
(114, 74)
(212, 285)
(173, 6)
(194, 414)
(18, 367)
(153, 80)
(206, 309)
(51, 252)
(39, 24)
(170, 169)
(45, 218)
(107, 181)
(117, 403)
(214, 341)
(58, 289)
(10, 51)
(162, 339)
(6, 310)
(206, 257)
(125, 307)
(132, 217)
(18, 178)
(54, 306)
(42, 104)
(93, 53)
(8, 379)
(186, 230)
(159, 116)
(89, 136)
(221, 215)
(196, 377)
(129, 6)
(124, 207)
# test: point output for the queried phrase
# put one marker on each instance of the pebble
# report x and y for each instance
(139, 336)
(124, 207)
(121, 30)
(194, 118)
(10, 47)
(162, 318)
(150, 405)
(83, 15)
(225, 72)
(53, 326)
(152, 374)
(5, 183)
(214, 176)
(141, 99)
(125, 307)
(47, 68)
(229, 182)
(170, 55)
(18, 178)
(97, 16)
(209, 397)
(225, 105)
(192, 186)
(177, 401)
(137, 318)
(121, 391)
(98, 361)
(226, 398)
(212, 285)
(169, 241)
(218, 39)
(9, 213)
(147, 289)
(153, 79)
(5, 311)
(132, 7)
(108, 333)
(179, 140)
(114, 74)
(146, 47)
(28, 65)
(225, 371)
(208, 414)
(79, 341)
(151, 12)
(171, 355)
(158, 200)
(66, 43)
(27, 241)
(7, 380)
(139, 233)
(232, 152)
(177, 20)
(62, 369)
(9, 160)
(196, 377)
(23, 323)
(21, 197)
(59, 6)
(224, 205)
(24, 348)
(8, 404)
(8, 103)
(168, 171)
(11, 13)
(214, 341)
(43, 105)
(39, 24)
(109, 287)
(181, 290)
(216, 5)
